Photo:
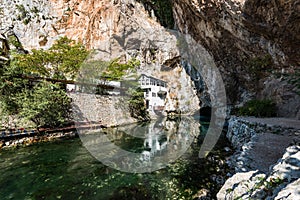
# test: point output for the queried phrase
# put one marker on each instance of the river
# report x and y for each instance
(68, 169)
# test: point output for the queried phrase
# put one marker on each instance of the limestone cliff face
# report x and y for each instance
(113, 29)
(37, 23)
(245, 28)
(233, 31)
(238, 31)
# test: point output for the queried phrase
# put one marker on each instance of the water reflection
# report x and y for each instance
(140, 148)
(66, 170)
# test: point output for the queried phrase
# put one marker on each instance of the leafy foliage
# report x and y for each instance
(45, 105)
(23, 12)
(259, 64)
(62, 60)
(116, 70)
(163, 11)
(11, 85)
(294, 79)
(14, 41)
(92, 70)
(258, 108)
(137, 105)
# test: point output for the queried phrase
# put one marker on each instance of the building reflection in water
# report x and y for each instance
(142, 147)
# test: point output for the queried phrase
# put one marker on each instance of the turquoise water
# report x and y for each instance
(67, 170)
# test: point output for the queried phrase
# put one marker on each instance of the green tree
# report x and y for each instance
(45, 105)
(11, 85)
(137, 105)
(116, 70)
(259, 65)
(61, 61)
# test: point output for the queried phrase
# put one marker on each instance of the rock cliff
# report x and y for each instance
(113, 29)
(254, 43)
(237, 32)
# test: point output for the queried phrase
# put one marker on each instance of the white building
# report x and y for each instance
(97, 86)
(155, 92)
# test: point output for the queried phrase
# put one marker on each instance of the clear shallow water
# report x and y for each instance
(143, 147)
(66, 170)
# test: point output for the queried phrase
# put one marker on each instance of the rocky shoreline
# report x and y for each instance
(27, 136)
(26, 141)
(261, 172)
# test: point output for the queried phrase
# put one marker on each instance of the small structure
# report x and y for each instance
(155, 92)
(100, 87)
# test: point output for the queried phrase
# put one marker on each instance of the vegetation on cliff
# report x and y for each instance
(257, 66)
(116, 70)
(162, 10)
(259, 108)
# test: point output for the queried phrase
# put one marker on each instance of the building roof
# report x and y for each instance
(152, 78)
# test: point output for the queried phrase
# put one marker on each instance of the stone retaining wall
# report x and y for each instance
(108, 110)
(281, 182)
(282, 179)
(240, 131)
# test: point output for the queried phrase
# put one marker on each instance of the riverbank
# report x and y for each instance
(266, 161)
(29, 140)
(25, 137)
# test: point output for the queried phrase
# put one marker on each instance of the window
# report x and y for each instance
(153, 94)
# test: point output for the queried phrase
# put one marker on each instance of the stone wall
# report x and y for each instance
(261, 171)
(108, 110)
(281, 182)
(241, 130)
(246, 135)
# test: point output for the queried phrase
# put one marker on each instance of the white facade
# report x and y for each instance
(81, 88)
(115, 84)
(155, 92)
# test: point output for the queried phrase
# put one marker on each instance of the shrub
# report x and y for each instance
(137, 105)
(294, 79)
(46, 105)
(258, 108)
(117, 70)
(257, 66)
(162, 9)
(13, 40)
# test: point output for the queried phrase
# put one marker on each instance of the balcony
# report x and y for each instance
(162, 90)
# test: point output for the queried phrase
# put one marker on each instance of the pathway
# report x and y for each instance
(269, 147)
(283, 122)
